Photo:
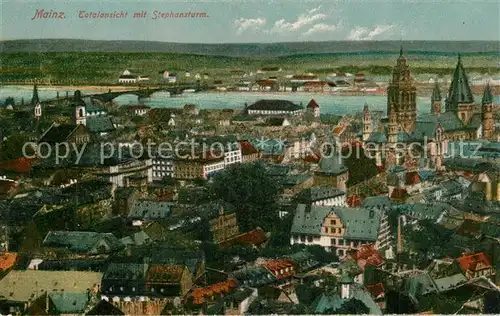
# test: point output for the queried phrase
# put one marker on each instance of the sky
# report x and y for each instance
(262, 21)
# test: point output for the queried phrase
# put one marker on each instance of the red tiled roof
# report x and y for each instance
(313, 158)
(474, 262)
(359, 74)
(247, 148)
(353, 201)
(263, 82)
(312, 104)
(7, 261)
(376, 290)
(200, 294)
(254, 237)
(165, 274)
(367, 255)
(21, 165)
(412, 178)
(278, 268)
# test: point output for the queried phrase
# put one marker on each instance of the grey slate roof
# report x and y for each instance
(318, 193)
(69, 303)
(80, 241)
(332, 164)
(436, 93)
(274, 105)
(126, 271)
(377, 201)
(459, 91)
(308, 219)
(100, 124)
(146, 209)
(360, 223)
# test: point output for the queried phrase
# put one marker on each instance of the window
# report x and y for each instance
(121, 288)
(332, 241)
(333, 222)
(341, 252)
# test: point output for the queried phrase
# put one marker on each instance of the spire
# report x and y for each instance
(459, 91)
(34, 98)
(401, 50)
(487, 95)
(365, 108)
(436, 93)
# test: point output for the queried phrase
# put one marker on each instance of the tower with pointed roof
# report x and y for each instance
(401, 95)
(436, 100)
(487, 112)
(332, 171)
(313, 108)
(367, 122)
(34, 98)
(460, 99)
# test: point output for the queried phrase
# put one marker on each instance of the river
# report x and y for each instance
(329, 103)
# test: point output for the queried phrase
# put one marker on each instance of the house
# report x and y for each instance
(82, 242)
(65, 133)
(8, 187)
(248, 152)
(283, 270)
(211, 293)
(224, 226)
(169, 77)
(274, 107)
(138, 110)
(332, 171)
(68, 303)
(168, 280)
(149, 210)
(22, 288)
(254, 277)
(104, 308)
(474, 266)
(127, 77)
(277, 122)
(339, 228)
(142, 78)
(325, 194)
(254, 238)
(124, 279)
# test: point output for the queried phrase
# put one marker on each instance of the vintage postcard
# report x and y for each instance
(258, 157)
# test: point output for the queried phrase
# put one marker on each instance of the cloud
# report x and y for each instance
(365, 34)
(302, 20)
(243, 24)
(322, 27)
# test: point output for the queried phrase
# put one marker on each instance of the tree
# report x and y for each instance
(321, 255)
(361, 167)
(351, 307)
(252, 190)
(492, 303)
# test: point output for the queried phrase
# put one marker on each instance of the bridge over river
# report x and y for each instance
(141, 92)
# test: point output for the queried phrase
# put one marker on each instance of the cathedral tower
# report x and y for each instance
(401, 96)
(436, 100)
(487, 112)
(459, 98)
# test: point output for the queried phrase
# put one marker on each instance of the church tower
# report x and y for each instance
(459, 98)
(487, 112)
(367, 123)
(436, 100)
(401, 96)
(80, 110)
(35, 99)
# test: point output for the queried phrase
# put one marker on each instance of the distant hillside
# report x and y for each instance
(251, 49)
